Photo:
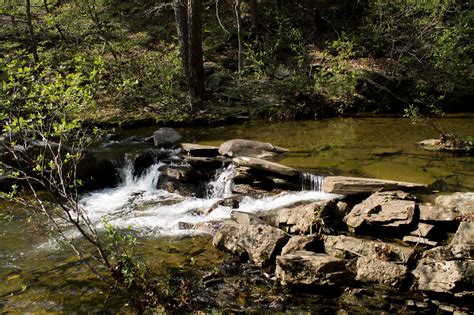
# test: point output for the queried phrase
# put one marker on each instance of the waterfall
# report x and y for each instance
(311, 182)
(222, 186)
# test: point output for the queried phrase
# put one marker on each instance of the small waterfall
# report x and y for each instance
(311, 182)
(222, 186)
(146, 181)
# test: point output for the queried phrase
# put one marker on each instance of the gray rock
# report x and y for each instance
(184, 173)
(265, 166)
(419, 240)
(245, 234)
(341, 246)
(310, 243)
(422, 230)
(250, 148)
(384, 272)
(391, 209)
(430, 213)
(461, 202)
(444, 276)
(300, 219)
(438, 145)
(166, 137)
(308, 268)
(206, 163)
(200, 150)
(356, 185)
(462, 244)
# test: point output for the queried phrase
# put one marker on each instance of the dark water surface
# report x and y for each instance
(37, 277)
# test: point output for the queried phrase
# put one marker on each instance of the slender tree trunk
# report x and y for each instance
(196, 69)
(253, 13)
(181, 16)
(33, 48)
(239, 35)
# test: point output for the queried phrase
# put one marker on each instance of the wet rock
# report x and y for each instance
(341, 246)
(444, 276)
(266, 166)
(206, 163)
(150, 157)
(301, 219)
(384, 272)
(249, 148)
(462, 244)
(430, 213)
(210, 227)
(247, 190)
(461, 202)
(439, 145)
(183, 173)
(166, 137)
(356, 185)
(391, 209)
(308, 268)
(419, 240)
(173, 185)
(245, 234)
(312, 243)
(96, 173)
(200, 150)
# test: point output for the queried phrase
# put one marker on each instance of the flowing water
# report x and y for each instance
(37, 276)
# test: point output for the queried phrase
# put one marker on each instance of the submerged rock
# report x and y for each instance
(356, 185)
(308, 268)
(391, 209)
(370, 269)
(242, 147)
(247, 235)
(166, 137)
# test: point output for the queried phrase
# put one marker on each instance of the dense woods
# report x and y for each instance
(270, 59)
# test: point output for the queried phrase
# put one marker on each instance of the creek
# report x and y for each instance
(36, 275)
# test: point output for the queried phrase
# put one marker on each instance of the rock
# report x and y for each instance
(343, 208)
(391, 209)
(310, 243)
(301, 219)
(173, 185)
(430, 213)
(461, 202)
(444, 276)
(205, 162)
(143, 161)
(419, 240)
(439, 145)
(422, 230)
(96, 173)
(341, 246)
(462, 244)
(200, 150)
(245, 234)
(249, 148)
(356, 185)
(266, 166)
(308, 268)
(166, 137)
(384, 272)
(183, 173)
(247, 190)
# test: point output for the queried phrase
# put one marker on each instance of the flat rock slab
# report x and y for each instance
(370, 269)
(200, 150)
(265, 166)
(356, 185)
(308, 268)
(429, 213)
(461, 202)
(242, 147)
(419, 240)
(391, 209)
(422, 230)
(342, 246)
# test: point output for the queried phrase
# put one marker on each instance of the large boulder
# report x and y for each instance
(247, 235)
(312, 269)
(438, 272)
(356, 185)
(301, 219)
(390, 210)
(370, 269)
(242, 147)
(166, 137)
(341, 246)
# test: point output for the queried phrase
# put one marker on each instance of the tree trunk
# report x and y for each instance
(253, 13)
(181, 16)
(196, 70)
(239, 35)
(33, 48)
